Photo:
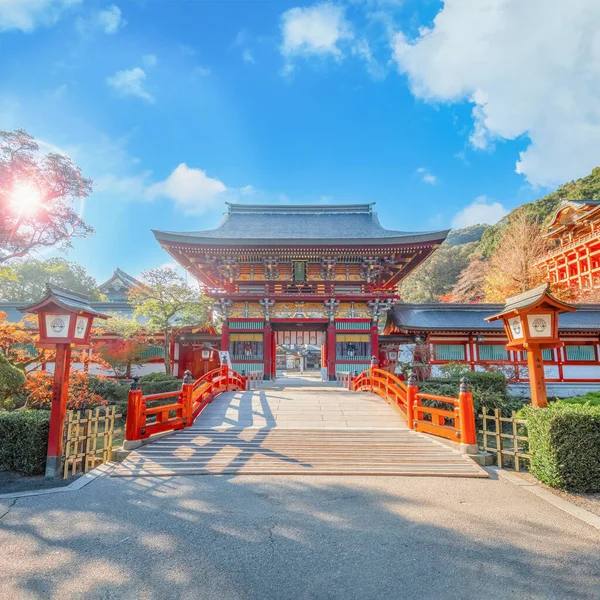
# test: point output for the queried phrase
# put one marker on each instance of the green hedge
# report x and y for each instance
(591, 398)
(11, 382)
(488, 389)
(564, 442)
(24, 441)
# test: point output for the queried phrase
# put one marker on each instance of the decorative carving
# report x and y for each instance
(371, 268)
(331, 306)
(224, 307)
(271, 264)
(328, 267)
(378, 308)
(267, 306)
(228, 269)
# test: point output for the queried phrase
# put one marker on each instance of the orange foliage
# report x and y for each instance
(39, 390)
(13, 336)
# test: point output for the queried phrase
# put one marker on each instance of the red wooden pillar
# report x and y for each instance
(375, 340)
(536, 376)
(60, 389)
(268, 350)
(274, 355)
(225, 337)
(331, 351)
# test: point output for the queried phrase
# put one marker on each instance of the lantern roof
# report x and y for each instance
(532, 299)
(64, 300)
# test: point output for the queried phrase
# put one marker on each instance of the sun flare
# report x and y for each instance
(25, 198)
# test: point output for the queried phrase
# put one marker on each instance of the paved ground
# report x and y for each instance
(295, 537)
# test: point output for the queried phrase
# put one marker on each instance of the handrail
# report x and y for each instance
(456, 424)
(191, 400)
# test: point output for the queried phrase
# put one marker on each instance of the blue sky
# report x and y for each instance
(445, 114)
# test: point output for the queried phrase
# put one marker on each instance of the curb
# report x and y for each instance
(72, 487)
(575, 511)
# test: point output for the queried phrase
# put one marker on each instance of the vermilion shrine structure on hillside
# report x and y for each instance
(296, 275)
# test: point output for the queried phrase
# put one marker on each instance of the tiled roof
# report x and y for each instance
(329, 224)
(65, 299)
(471, 317)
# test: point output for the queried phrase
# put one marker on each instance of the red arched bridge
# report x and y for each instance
(228, 423)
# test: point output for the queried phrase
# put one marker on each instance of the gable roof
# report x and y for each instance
(259, 224)
(569, 213)
(119, 276)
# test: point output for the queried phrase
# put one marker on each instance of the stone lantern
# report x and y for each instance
(531, 323)
(65, 323)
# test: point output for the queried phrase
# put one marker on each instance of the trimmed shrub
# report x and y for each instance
(24, 441)
(591, 398)
(111, 390)
(564, 443)
(488, 389)
(11, 382)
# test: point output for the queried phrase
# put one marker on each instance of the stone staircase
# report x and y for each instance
(282, 451)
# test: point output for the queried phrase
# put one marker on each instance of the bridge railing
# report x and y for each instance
(385, 384)
(144, 420)
(450, 418)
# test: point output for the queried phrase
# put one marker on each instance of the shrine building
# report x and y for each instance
(300, 275)
(575, 261)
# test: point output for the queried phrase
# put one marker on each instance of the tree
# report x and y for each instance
(165, 301)
(37, 196)
(17, 340)
(586, 188)
(25, 280)
(437, 276)
(125, 352)
(472, 233)
(469, 287)
(512, 266)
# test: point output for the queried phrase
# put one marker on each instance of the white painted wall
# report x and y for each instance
(581, 371)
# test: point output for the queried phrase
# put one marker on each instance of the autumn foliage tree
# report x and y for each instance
(512, 266)
(469, 287)
(37, 197)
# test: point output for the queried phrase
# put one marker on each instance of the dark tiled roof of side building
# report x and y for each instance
(289, 224)
(471, 317)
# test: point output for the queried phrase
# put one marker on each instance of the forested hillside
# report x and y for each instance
(487, 263)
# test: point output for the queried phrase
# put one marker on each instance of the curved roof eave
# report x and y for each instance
(191, 239)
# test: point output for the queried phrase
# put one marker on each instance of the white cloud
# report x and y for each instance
(248, 56)
(529, 68)
(149, 60)
(247, 190)
(426, 176)
(191, 189)
(130, 82)
(125, 188)
(481, 210)
(110, 20)
(26, 15)
(314, 31)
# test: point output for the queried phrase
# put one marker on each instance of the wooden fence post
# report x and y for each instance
(468, 429)
(133, 423)
(411, 395)
(187, 390)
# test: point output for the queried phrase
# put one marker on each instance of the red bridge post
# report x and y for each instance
(133, 424)
(411, 397)
(468, 430)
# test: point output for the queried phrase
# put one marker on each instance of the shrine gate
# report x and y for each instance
(299, 275)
